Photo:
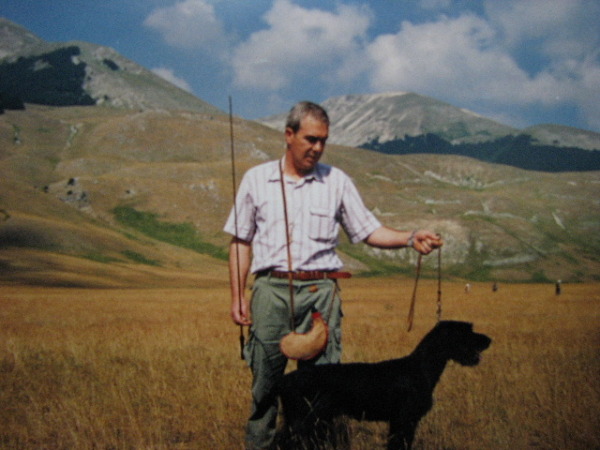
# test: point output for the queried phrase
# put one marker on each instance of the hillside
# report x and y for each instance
(520, 151)
(80, 73)
(96, 196)
(563, 136)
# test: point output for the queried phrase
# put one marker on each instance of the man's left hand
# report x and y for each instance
(426, 241)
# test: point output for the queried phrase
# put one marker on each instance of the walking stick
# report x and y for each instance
(235, 219)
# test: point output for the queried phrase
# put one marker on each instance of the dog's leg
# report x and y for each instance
(401, 434)
(303, 429)
(324, 434)
(312, 432)
(331, 433)
(342, 433)
(296, 431)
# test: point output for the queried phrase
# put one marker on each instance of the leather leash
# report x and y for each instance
(289, 249)
(411, 311)
(439, 291)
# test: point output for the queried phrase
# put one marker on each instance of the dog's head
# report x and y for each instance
(460, 342)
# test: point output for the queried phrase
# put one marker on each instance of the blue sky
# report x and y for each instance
(520, 62)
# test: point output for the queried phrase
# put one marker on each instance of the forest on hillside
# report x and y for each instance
(518, 151)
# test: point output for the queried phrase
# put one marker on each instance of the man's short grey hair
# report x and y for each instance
(302, 109)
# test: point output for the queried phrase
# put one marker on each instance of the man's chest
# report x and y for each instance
(302, 200)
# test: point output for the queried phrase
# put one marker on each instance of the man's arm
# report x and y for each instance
(239, 266)
(423, 241)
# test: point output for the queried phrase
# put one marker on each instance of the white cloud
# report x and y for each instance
(169, 75)
(472, 60)
(589, 93)
(189, 24)
(516, 56)
(451, 55)
(566, 35)
(560, 28)
(311, 45)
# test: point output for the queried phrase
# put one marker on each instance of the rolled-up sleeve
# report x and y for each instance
(356, 219)
(244, 225)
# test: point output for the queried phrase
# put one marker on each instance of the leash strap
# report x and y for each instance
(411, 311)
(290, 275)
(439, 291)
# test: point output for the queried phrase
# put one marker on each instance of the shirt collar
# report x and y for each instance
(316, 174)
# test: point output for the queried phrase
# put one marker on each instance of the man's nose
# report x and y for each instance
(319, 146)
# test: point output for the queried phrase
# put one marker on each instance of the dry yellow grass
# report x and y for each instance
(160, 368)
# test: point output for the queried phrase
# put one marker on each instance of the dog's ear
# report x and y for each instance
(466, 326)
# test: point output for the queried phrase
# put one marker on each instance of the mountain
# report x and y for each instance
(110, 196)
(360, 119)
(80, 73)
(408, 123)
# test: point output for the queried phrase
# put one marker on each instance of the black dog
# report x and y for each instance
(399, 391)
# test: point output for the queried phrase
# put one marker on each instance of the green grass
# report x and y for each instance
(138, 258)
(539, 277)
(182, 235)
(99, 257)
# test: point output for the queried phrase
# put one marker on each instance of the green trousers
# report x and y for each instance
(270, 322)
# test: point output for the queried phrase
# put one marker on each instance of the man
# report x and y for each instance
(318, 200)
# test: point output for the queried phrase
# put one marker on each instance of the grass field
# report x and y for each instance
(160, 368)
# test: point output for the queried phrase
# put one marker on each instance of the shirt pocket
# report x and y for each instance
(322, 225)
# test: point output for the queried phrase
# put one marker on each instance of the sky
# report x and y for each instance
(519, 62)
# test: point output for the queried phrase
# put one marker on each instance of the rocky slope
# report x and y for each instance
(78, 73)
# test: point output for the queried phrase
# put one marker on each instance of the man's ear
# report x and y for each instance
(289, 134)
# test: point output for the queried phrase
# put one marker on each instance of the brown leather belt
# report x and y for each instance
(308, 275)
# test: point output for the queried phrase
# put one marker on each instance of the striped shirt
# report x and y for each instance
(317, 205)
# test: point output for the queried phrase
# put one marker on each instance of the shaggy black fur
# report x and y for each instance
(398, 391)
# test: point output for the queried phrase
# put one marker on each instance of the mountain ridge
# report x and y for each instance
(360, 119)
(34, 70)
(409, 123)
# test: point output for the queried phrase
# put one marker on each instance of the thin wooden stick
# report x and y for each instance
(235, 219)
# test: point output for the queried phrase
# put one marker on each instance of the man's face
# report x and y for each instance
(305, 147)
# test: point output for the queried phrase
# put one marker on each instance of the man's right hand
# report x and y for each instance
(240, 312)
